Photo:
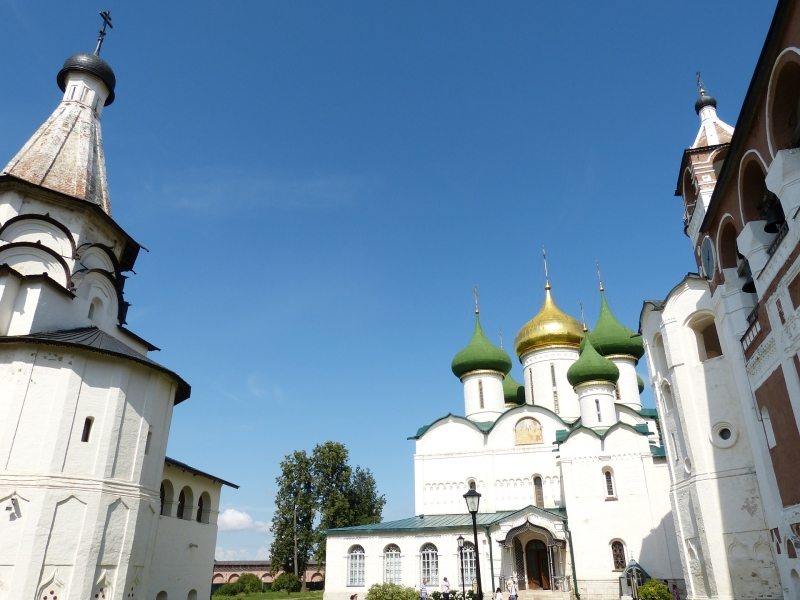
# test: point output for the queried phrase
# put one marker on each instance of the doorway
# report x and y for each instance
(537, 565)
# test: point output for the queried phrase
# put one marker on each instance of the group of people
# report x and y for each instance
(423, 590)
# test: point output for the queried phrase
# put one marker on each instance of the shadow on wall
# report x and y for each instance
(651, 556)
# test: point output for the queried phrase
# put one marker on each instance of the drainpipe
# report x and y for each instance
(572, 560)
(491, 559)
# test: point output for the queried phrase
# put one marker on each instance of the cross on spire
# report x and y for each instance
(501, 338)
(583, 317)
(106, 23)
(475, 291)
(600, 277)
(546, 275)
(700, 84)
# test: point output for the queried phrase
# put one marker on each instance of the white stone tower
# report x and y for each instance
(84, 413)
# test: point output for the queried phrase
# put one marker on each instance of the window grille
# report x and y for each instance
(609, 484)
(618, 553)
(480, 390)
(468, 555)
(355, 565)
(429, 564)
(555, 389)
(537, 486)
(391, 564)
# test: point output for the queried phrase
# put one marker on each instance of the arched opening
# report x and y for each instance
(192, 595)
(753, 191)
(355, 566)
(161, 595)
(785, 95)
(795, 584)
(391, 564)
(429, 564)
(689, 195)
(185, 503)
(660, 354)
(471, 484)
(167, 497)
(768, 430)
(203, 507)
(87, 429)
(95, 309)
(537, 565)
(706, 338)
(618, 555)
(233, 578)
(538, 492)
(718, 160)
(728, 253)
(608, 483)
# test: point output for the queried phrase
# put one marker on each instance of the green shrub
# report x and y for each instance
(437, 595)
(391, 591)
(654, 590)
(246, 584)
(287, 581)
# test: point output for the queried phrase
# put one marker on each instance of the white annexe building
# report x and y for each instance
(571, 469)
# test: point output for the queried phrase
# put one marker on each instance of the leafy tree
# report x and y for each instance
(288, 582)
(365, 505)
(246, 584)
(391, 591)
(295, 491)
(654, 590)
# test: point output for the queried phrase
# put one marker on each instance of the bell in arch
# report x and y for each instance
(749, 286)
(775, 218)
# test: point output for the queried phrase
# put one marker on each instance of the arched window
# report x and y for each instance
(161, 596)
(728, 252)
(706, 337)
(87, 429)
(660, 354)
(391, 564)
(618, 555)
(167, 498)
(200, 509)
(669, 404)
(468, 556)
(783, 118)
(181, 504)
(429, 564)
(95, 309)
(192, 595)
(538, 492)
(768, 430)
(480, 390)
(355, 566)
(753, 190)
(608, 480)
(472, 484)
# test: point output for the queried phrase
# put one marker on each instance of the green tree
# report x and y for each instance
(654, 590)
(365, 505)
(295, 511)
(286, 581)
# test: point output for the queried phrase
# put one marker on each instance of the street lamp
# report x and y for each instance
(460, 540)
(473, 500)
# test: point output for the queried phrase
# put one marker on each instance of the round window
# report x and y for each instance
(723, 435)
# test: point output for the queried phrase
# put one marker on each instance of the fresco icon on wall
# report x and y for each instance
(528, 431)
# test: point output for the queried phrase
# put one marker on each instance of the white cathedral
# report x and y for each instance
(571, 470)
(91, 507)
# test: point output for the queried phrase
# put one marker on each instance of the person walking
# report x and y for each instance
(498, 595)
(445, 589)
(512, 587)
(675, 594)
(423, 591)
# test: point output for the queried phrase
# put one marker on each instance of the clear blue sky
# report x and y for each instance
(321, 184)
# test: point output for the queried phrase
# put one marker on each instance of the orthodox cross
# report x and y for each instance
(700, 84)
(546, 276)
(599, 277)
(501, 337)
(583, 317)
(475, 291)
(106, 22)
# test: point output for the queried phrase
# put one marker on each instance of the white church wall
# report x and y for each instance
(183, 557)
(540, 368)
(483, 395)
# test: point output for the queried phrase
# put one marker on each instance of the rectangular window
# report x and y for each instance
(391, 566)
(87, 429)
(147, 442)
(480, 390)
(530, 378)
(599, 416)
(555, 389)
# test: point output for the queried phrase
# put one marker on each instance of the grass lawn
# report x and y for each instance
(278, 596)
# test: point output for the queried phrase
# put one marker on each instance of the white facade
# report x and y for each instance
(85, 414)
(567, 500)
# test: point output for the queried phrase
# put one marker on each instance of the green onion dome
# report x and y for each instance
(610, 336)
(480, 354)
(513, 392)
(640, 383)
(590, 366)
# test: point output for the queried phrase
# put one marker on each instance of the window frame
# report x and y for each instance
(609, 481)
(356, 566)
(624, 555)
(429, 554)
(392, 564)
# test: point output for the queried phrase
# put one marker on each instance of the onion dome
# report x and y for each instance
(610, 336)
(92, 64)
(513, 392)
(550, 327)
(591, 367)
(703, 101)
(480, 354)
(640, 383)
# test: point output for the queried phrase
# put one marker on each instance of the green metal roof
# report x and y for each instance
(610, 336)
(658, 451)
(591, 366)
(513, 392)
(482, 426)
(438, 522)
(648, 412)
(480, 354)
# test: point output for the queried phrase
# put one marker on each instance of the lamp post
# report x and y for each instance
(473, 499)
(460, 540)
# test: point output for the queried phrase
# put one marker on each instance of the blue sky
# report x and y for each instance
(321, 184)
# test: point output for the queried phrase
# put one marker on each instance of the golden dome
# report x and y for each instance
(550, 327)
